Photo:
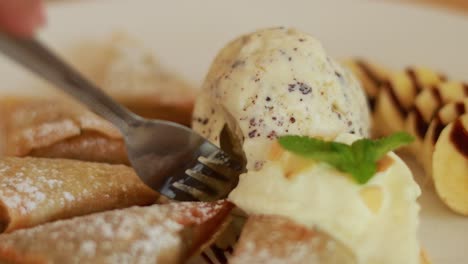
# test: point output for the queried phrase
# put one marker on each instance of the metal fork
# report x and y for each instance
(168, 157)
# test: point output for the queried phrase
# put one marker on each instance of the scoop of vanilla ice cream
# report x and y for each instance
(274, 82)
(378, 220)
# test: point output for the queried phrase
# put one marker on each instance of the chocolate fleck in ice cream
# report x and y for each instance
(274, 82)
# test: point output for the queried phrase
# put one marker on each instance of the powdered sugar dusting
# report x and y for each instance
(36, 190)
(39, 136)
(274, 239)
(88, 248)
(68, 196)
(21, 193)
(132, 235)
(52, 183)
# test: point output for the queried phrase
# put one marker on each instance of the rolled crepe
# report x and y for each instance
(34, 191)
(156, 234)
(131, 74)
(57, 128)
(275, 239)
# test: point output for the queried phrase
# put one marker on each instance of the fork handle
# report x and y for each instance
(39, 59)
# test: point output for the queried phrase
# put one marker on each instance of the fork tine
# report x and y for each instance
(211, 178)
(202, 176)
(208, 172)
(193, 192)
(201, 186)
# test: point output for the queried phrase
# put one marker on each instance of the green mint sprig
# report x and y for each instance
(358, 159)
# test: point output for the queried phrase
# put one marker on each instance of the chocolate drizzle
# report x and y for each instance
(416, 85)
(439, 125)
(459, 137)
(374, 78)
(420, 124)
(394, 98)
(435, 91)
(460, 108)
(465, 88)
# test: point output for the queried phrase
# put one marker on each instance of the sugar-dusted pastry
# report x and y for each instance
(130, 73)
(57, 128)
(426, 105)
(276, 239)
(34, 191)
(396, 97)
(450, 165)
(155, 234)
(370, 75)
(447, 114)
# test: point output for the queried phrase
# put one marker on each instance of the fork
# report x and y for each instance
(168, 157)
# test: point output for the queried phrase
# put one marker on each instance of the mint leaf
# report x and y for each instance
(384, 145)
(358, 159)
(335, 153)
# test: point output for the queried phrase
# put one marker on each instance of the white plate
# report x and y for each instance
(187, 34)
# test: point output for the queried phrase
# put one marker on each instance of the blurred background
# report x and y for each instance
(185, 36)
(454, 5)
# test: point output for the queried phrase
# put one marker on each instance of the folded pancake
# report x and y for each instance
(156, 234)
(57, 128)
(275, 239)
(34, 191)
(397, 94)
(131, 74)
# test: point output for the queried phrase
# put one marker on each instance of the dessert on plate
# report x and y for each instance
(317, 189)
